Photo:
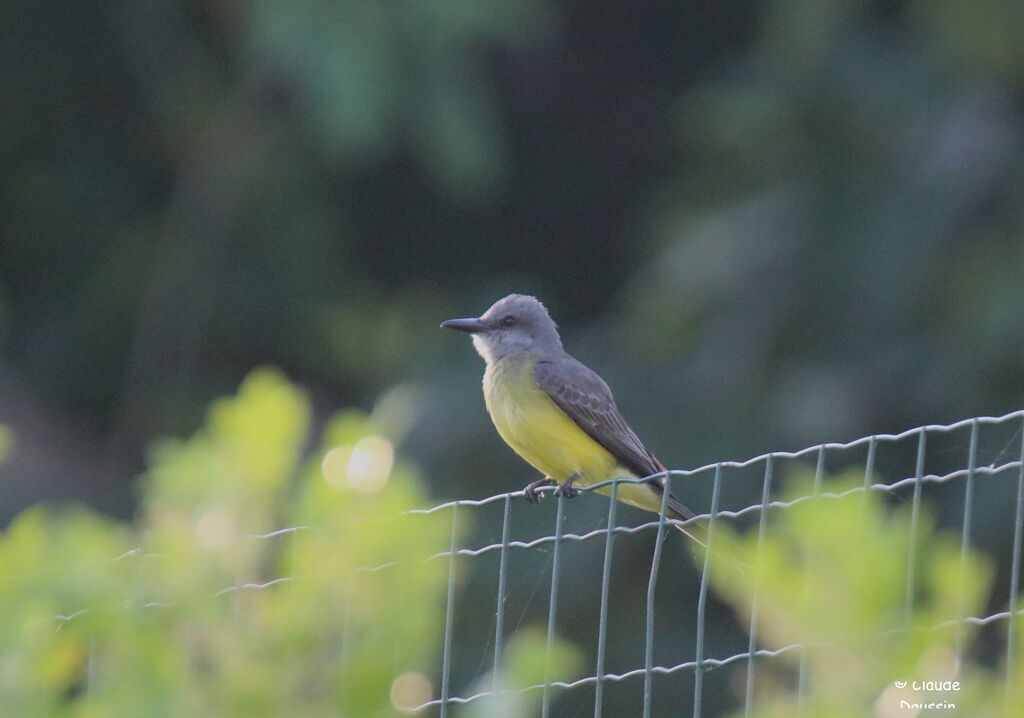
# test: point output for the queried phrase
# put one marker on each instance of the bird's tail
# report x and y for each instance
(696, 530)
(723, 548)
(699, 531)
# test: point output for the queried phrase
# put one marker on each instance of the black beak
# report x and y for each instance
(471, 325)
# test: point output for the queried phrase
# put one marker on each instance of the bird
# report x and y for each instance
(558, 414)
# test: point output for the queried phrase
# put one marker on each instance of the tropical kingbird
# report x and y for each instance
(558, 414)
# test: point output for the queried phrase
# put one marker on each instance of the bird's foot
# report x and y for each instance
(567, 489)
(530, 490)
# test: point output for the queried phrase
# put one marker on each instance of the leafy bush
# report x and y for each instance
(832, 575)
(196, 611)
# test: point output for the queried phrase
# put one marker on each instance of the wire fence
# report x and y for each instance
(968, 451)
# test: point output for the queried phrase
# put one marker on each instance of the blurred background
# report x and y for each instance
(767, 225)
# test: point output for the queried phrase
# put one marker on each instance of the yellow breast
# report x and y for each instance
(537, 429)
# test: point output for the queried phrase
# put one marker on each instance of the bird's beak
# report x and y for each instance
(471, 325)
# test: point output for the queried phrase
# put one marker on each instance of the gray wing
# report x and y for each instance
(586, 399)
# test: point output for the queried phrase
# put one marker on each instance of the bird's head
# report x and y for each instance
(515, 323)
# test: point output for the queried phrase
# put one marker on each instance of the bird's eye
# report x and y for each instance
(509, 321)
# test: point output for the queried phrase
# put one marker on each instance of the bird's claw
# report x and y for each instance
(530, 490)
(566, 489)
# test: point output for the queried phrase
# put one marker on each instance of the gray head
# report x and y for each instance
(513, 324)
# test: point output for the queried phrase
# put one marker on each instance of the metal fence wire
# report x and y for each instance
(591, 554)
(981, 459)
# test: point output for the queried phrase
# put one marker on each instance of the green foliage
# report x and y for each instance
(369, 72)
(803, 219)
(832, 574)
(171, 617)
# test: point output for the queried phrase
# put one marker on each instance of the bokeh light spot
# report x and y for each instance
(335, 465)
(409, 691)
(370, 464)
(215, 529)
